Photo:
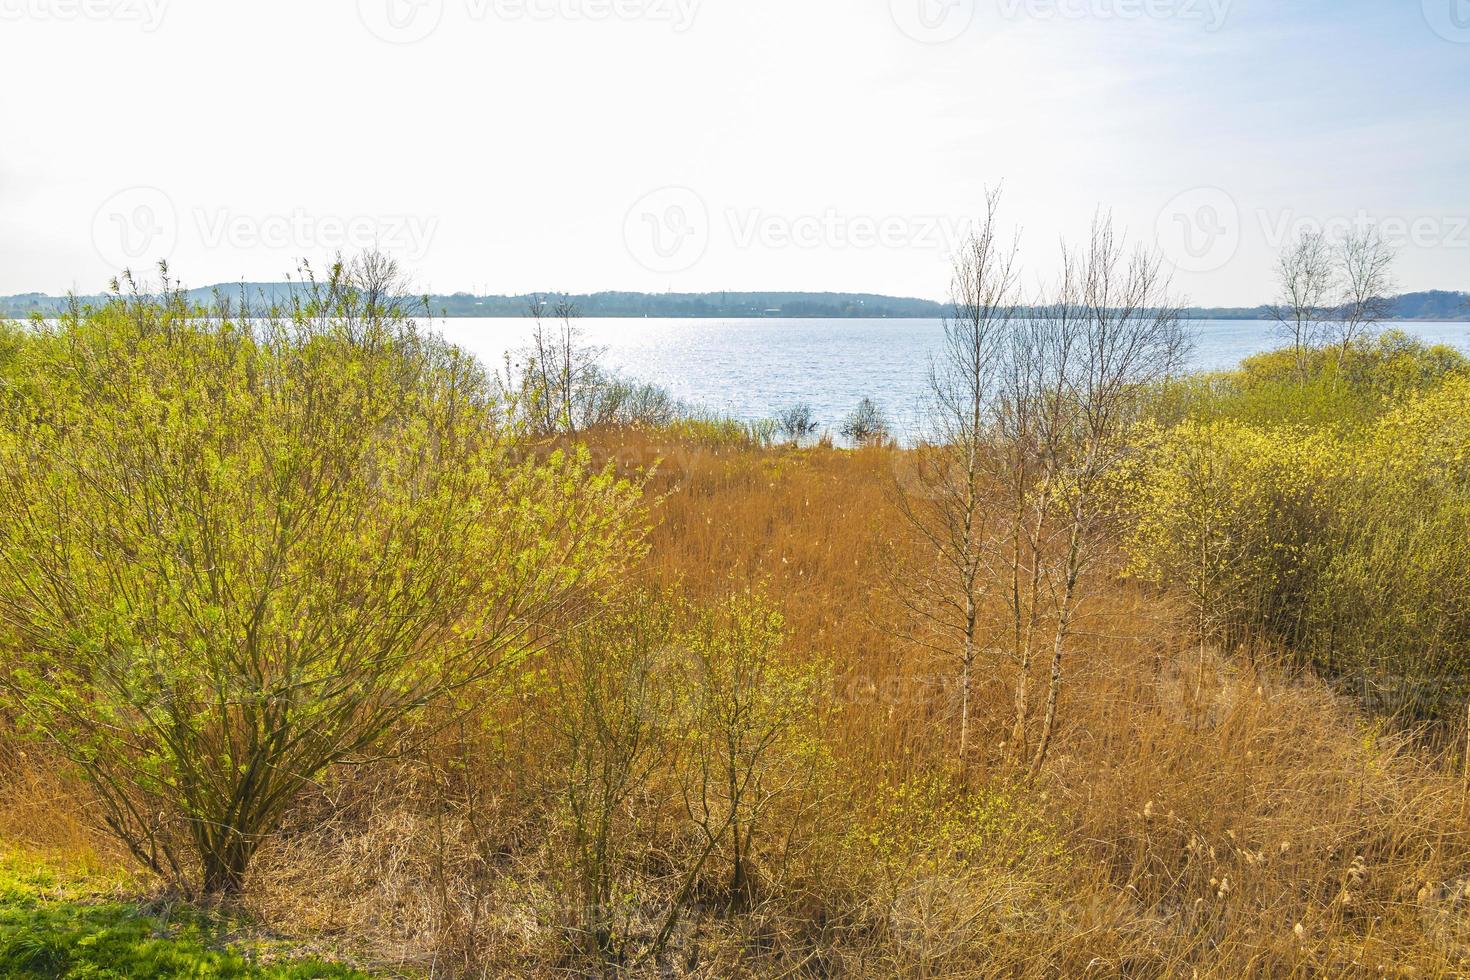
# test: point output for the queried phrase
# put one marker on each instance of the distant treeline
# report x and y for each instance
(612, 304)
(1432, 305)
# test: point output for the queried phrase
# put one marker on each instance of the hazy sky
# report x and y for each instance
(577, 145)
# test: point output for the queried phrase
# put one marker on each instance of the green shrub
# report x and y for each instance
(1343, 540)
(238, 552)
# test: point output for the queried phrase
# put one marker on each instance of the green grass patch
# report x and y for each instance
(73, 923)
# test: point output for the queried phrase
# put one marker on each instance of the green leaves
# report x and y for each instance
(237, 552)
(1343, 540)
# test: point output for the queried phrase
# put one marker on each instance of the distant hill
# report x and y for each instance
(610, 304)
(1435, 304)
(1432, 305)
(700, 305)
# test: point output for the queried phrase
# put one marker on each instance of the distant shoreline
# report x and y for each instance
(1192, 317)
(1441, 306)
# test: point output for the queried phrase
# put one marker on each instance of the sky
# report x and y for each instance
(509, 146)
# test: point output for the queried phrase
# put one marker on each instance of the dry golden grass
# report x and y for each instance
(1212, 818)
(44, 812)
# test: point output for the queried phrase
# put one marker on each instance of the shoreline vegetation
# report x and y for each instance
(319, 637)
(1432, 305)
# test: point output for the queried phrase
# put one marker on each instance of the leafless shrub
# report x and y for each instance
(866, 425)
(796, 423)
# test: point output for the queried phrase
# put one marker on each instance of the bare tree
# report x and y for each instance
(945, 500)
(1307, 279)
(1031, 414)
(559, 367)
(796, 422)
(1081, 369)
(1366, 269)
(866, 425)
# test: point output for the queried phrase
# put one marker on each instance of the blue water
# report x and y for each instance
(750, 369)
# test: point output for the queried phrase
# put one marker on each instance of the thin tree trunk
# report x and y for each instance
(1064, 622)
(1026, 626)
(1049, 716)
(966, 677)
(1022, 708)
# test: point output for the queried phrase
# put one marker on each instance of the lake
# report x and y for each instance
(750, 369)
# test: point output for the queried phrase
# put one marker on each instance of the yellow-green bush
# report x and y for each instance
(1348, 388)
(1392, 606)
(1344, 541)
(947, 869)
(1227, 512)
(239, 551)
